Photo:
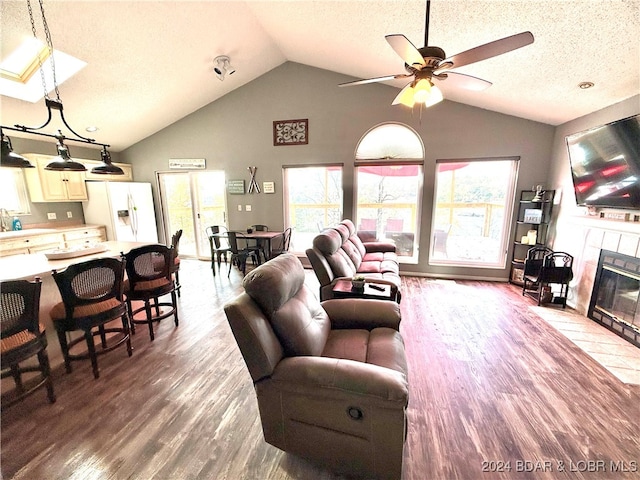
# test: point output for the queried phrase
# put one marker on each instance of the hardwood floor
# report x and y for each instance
(491, 385)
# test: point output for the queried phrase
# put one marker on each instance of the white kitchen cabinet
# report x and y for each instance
(51, 186)
(126, 168)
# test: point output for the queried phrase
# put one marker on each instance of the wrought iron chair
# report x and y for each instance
(147, 283)
(284, 247)
(219, 243)
(259, 246)
(555, 268)
(92, 296)
(239, 254)
(22, 337)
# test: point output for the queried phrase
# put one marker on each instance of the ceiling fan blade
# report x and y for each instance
(405, 97)
(460, 80)
(371, 80)
(407, 51)
(488, 50)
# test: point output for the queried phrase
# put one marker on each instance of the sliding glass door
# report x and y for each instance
(192, 201)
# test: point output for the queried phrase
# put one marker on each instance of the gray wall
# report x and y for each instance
(577, 230)
(39, 211)
(235, 132)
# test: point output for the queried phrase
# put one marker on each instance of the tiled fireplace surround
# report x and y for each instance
(593, 239)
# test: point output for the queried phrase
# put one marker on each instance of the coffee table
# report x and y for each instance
(343, 289)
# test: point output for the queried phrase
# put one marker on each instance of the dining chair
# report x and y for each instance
(147, 283)
(219, 244)
(92, 297)
(22, 337)
(259, 246)
(239, 254)
(284, 246)
(175, 267)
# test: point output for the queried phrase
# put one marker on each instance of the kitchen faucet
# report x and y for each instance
(5, 220)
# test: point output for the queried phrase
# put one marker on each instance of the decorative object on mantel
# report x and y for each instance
(253, 185)
(63, 161)
(235, 187)
(291, 132)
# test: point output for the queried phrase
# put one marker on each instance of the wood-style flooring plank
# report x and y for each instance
(489, 382)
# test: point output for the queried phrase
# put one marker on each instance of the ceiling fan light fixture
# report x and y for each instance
(435, 96)
(422, 90)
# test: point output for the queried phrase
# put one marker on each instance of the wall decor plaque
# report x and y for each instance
(235, 187)
(291, 132)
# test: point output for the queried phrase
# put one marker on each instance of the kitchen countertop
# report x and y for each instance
(41, 231)
(37, 265)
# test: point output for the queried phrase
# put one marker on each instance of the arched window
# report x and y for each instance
(389, 160)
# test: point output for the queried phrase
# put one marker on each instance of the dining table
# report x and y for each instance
(265, 235)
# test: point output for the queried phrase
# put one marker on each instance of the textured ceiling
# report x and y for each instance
(150, 63)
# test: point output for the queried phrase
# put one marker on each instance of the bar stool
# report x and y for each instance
(92, 296)
(22, 337)
(149, 279)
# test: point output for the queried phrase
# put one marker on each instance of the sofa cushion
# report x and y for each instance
(341, 265)
(353, 253)
(328, 241)
(295, 314)
(381, 346)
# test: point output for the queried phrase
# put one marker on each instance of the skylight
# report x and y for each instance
(20, 76)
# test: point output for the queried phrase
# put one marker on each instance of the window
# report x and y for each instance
(312, 200)
(389, 187)
(13, 191)
(472, 209)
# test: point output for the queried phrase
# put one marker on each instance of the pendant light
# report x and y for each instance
(10, 158)
(107, 168)
(63, 162)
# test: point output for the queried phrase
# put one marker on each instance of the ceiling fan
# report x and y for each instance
(428, 64)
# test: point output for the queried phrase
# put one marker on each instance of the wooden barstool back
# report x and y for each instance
(92, 296)
(149, 278)
(22, 337)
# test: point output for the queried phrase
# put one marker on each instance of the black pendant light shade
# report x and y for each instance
(107, 168)
(63, 162)
(11, 159)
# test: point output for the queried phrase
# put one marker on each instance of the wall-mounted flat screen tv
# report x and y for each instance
(605, 164)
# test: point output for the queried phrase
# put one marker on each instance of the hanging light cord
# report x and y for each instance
(50, 103)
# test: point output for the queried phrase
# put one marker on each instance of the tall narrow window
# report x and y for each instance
(313, 200)
(389, 187)
(472, 208)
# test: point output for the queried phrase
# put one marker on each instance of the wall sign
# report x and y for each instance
(187, 163)
(291, 132)
(268, 187)
(235, 187)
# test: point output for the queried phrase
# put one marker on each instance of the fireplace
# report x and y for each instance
(614, 301)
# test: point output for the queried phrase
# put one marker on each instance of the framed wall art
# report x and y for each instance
(291, 132)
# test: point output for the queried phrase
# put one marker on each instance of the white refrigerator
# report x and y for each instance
(125, 208)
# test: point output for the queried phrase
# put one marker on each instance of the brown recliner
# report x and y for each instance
(330, 377)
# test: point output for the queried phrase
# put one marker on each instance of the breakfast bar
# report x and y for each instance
(32, 265)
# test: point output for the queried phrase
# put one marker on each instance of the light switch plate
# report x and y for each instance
(51, 215)
(247, 208)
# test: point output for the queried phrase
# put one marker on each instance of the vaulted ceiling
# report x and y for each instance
(151, 63)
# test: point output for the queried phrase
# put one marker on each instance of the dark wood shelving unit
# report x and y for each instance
(532, 215)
